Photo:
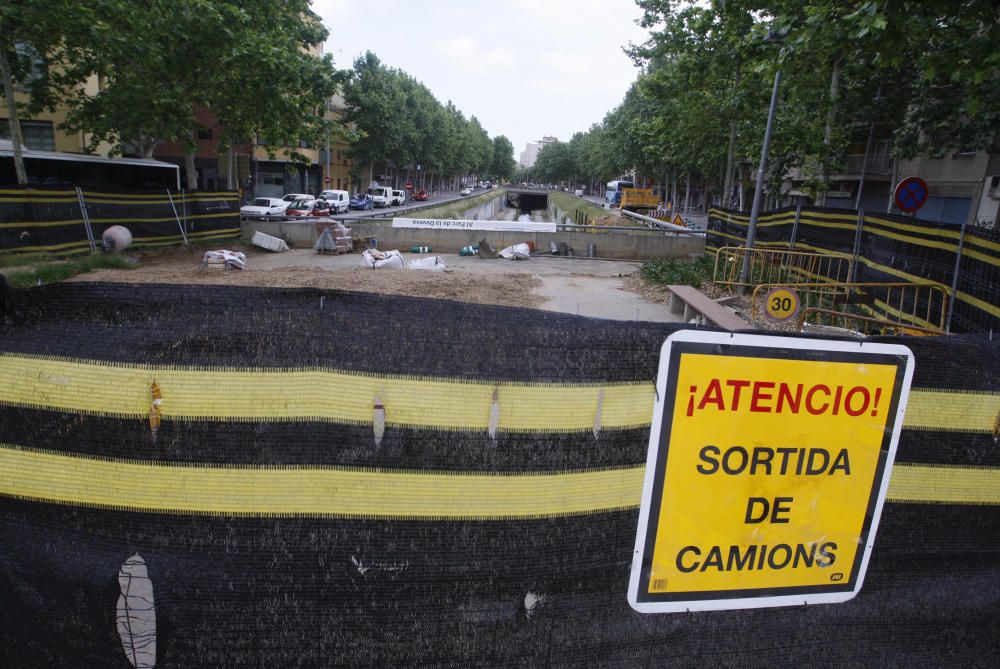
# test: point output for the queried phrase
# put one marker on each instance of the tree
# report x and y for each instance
(555, 163)
(503, 163)
(31, 53)
(160, 61)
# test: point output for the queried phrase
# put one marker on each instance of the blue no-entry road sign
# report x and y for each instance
(911, 194)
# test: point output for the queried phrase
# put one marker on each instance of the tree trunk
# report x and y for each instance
(13, 121)
(727, 187)
(673, 190)
(831, 116)
(687, 193)
(189, 169)
(230, 157)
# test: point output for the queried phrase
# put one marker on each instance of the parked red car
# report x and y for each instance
(420, 195)
(300, 208)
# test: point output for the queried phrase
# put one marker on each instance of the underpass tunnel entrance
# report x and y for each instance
(527, 202)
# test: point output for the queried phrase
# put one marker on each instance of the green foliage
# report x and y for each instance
(678, 271)
(53, 272)
(926, 74)
(400, 123)
(159, 62)
(503, 163)
(555, 163)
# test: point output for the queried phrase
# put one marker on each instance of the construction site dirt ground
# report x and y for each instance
(610, 289)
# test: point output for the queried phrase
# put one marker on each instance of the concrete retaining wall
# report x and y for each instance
(638, 245)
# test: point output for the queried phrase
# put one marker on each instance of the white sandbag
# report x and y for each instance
(268, 242)
(116, 238)
(433, 263)
(375, 259)
(516, 252)
(226, 259)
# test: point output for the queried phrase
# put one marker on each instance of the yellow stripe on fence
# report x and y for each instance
(344, 492)
(317, 394)
(945, 485)
(311, 491)
(433, 403)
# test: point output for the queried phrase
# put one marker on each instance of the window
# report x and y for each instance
(204, 133)
(37, 135)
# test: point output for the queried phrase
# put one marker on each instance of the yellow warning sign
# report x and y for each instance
(678, 220)
(781, 303)
(768, 470)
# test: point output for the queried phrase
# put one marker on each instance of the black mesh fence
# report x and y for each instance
(891, 249)
(265, 383)
(66, 220)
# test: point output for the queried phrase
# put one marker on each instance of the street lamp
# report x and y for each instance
(774, 36)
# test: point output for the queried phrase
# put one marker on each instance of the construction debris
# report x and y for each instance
(520, 251)
(224, 259)
(432, 263)
(268, 242)
(375, 259)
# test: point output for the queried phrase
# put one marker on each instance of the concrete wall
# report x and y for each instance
(619, 245)
(638, 245)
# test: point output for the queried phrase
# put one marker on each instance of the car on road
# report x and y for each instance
(264, 207)
(300, 208)
(382, 196)
(398, 197)
(361, 201)
(292, 197)
(466, 191)
(421, 195)
(321, 207)
(339, 200)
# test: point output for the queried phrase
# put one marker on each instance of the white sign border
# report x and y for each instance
(768, 341)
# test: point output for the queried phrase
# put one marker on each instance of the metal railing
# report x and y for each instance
(770, 266)
(858, 324)
(922, 305)
(656, 223)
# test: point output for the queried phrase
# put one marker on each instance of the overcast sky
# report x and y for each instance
(524, 68)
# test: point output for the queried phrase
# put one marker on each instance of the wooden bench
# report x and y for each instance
(704, 310)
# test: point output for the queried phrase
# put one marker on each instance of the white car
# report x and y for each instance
(263, 207)
(339, 200)
(466, 191)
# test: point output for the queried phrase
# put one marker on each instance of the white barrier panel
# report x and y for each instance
(449, 224)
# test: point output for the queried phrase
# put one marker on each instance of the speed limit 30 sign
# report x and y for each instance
(781, 303)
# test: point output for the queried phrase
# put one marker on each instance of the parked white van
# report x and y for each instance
(338, 199)
(382, 196)
(399, 197)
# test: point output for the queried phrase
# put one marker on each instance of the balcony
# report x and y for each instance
(878, 164)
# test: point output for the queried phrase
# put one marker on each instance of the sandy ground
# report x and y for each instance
(582, 286)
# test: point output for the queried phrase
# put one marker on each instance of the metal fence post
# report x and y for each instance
(179, 224)
(857, 246)
(954, 278)
(795, 226)
(86, 220)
